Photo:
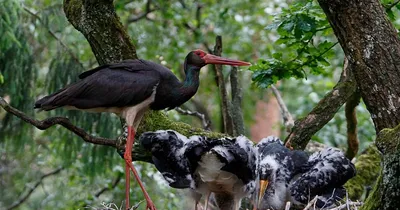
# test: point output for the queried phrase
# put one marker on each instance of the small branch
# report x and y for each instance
(390, 6)
(202, 109)
(65, 122)
(347, 205)
(311, 203)
(351, 118)
(30, 191)
(114, 184)
(237, 114)
(54, 35)
(206, 123)
(287, 117)
(143, 15)
(324, 111)
(225, 104)
(287, 206)
(196, 30)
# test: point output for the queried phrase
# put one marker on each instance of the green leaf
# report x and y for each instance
(288, 26)
(1, 79)
(273, 26)
(14, 39)
(390, 14)
(277, 56)
(323, 61)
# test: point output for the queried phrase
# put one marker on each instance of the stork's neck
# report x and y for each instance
(191, 83)
(192, 76)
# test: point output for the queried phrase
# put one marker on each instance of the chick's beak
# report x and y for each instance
(263, 187)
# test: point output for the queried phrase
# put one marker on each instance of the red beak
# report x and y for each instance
(213, 59)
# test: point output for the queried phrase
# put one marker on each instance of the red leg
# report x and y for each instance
(127, 185)
(128, 160)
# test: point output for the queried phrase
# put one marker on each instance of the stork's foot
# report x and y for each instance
(150, 205)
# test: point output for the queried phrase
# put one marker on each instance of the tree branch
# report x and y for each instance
(351, 118)
(22, 199)
(65, 122)
(105, 189)
(237, 114)
(324, 111)
(205, 122)
(149, 10)
(196, 30)
(287, 117)
(138, 153)
(54, 35)
(225, 104)
(390, 6)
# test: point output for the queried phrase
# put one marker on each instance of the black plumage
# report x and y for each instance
(224, 167)
(120, 85)
(293, 176)
(326, 171)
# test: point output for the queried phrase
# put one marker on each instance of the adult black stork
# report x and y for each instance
(223, 167)
(128, 89)
(291, 175)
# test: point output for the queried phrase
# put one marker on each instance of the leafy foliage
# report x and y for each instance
(303, 46)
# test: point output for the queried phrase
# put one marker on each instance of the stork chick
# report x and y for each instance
(224, 167)
(290, 175)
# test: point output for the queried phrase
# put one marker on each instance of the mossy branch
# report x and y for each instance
(323, 112)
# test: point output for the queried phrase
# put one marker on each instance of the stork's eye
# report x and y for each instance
(199, 53)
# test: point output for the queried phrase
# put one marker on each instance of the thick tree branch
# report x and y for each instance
(351, 119)
(237, 114)
(44, 124)
(288, 120)
(225, 103)
(22, 199)
(324, 111)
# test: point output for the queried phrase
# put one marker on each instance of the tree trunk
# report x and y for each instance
(371, 45)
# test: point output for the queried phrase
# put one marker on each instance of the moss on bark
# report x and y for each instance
(386, 193)
(368, 168)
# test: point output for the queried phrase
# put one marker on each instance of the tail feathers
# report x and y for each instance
(46, 103)
(52, 101)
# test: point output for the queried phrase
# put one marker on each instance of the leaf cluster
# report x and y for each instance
(303, 44)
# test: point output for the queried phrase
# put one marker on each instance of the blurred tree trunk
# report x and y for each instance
(372, 46)
(267, 118)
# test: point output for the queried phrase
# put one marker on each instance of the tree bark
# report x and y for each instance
(99, 23)
(372, 46)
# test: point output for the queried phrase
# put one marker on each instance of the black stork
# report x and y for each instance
(292, 175)
(128, 89)
(223, 167)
